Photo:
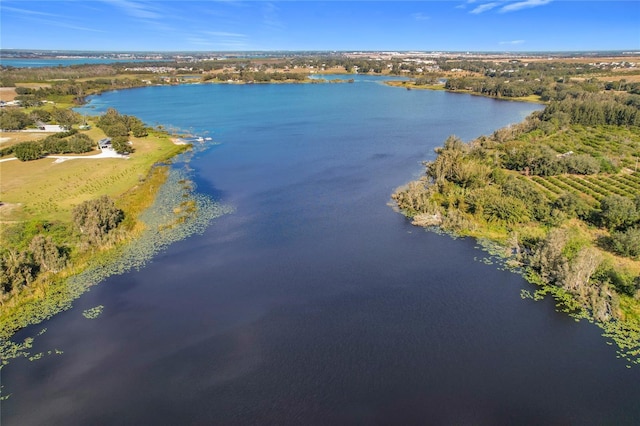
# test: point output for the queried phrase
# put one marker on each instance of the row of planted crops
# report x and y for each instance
(594, 187)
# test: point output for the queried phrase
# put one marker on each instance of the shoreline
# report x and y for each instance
(176, 141)
(181, 141)
(403, 85)
(45, 296)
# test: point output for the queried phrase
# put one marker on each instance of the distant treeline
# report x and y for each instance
(255, 76)
(77, 90)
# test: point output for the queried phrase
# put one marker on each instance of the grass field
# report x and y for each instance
(12, 138)
(46, 190)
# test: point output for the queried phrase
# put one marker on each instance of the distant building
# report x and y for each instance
(53, 128)
(105, 143)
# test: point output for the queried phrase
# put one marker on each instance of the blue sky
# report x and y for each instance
(228, 25)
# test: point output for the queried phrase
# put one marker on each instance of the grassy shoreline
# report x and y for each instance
(38, 196)
(29, 309)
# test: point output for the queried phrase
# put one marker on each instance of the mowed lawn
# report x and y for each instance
(46, 190)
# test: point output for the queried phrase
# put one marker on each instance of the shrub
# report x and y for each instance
(27, 151)
(582, 164)
(572, 205)
(96, 218)
(617, 212)
(121, 145)
(626, 243)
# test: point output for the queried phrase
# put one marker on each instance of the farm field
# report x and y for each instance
(616, 144)
(592, 188)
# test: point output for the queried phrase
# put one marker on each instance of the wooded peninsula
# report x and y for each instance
(559, 193)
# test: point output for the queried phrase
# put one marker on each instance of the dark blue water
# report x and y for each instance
(315, 303)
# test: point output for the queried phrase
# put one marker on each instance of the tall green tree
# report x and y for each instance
(96, 218)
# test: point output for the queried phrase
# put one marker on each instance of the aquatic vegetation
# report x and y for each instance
(624, 335)
(11, 350)
(177, 213)
(93, 313)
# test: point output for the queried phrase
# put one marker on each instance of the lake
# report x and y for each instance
(315, 303)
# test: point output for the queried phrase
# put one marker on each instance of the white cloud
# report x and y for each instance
(484, 7)
(512, 42)
(223, 34)
(28, 12)
(419, 16)
(40, 17)
(512, 7)
(503, 6)
(220, 40)
(136, 9)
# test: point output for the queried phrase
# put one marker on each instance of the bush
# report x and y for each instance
(572, 205)
(582, 164)
(27, 151)
(626, 243)
(121, 145)
(14, 119)
(507, 210)
(96, 218)
(617, 212)
(535, 201)
(623, 281)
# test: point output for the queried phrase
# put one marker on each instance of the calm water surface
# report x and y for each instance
(315, 303)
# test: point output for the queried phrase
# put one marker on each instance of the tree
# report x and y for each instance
(40, 115)
(18, 270)
(533, 198)
(47, 254)
(627, 242)
(582, 164)
(96, 218)
(118, 128)
(27, 151)
(65, 117)
(504, 209)
(80, 143)
(121, 145)
(14, 119)
(617, 212)
(548, 258)
(139, 130)
(572, 205)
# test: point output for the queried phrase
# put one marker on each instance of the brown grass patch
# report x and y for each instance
(7, 94)
(12, 138)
